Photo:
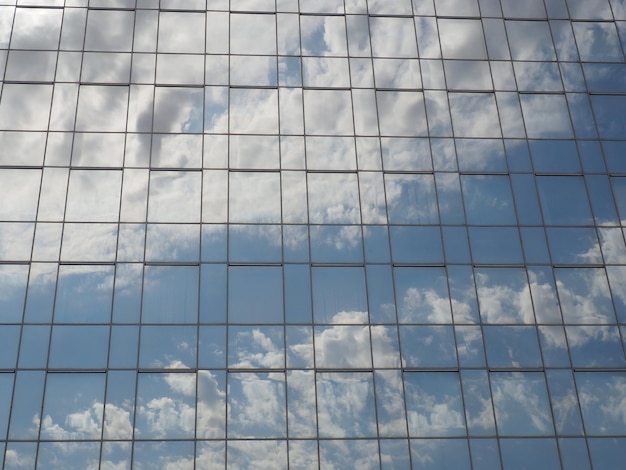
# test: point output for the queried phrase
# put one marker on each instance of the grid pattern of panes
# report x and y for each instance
(319, 234)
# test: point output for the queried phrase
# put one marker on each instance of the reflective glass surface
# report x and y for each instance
(335, 234)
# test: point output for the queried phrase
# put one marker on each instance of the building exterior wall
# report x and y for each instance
(326, 234)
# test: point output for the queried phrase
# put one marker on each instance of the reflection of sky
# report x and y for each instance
(242, 191)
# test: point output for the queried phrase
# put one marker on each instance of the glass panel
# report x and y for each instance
(109, 30)
(521, 403)
(512, 346)
(601, 395)
(564, 200)
(564, 402)
(488, 200)
(404, 248)
(436, 454)
(170, 294)
(73, 406)
(346, 404)
(607, 452)
(546, 116)
(79, 347)
(166, 405)
(256, 347)
(167, 347)
(333, 198)
(254, 197)
(401, 113)
(346, 347)
(248, 394)
(422, 295)
(255, 294)
(28, 395)
(411, 199)
(495, 245)
(301, 405)
(253, 111)
(474, 115)
(518, 454)
(427, 346)
(342, 453)
(25, 107)
(254, 243)
(174, 196)
(36, 28)
(84, 294)
(597, 42)
(471, 47)
(595, 346)
(584, 295)
(248, 453)
(434, 404)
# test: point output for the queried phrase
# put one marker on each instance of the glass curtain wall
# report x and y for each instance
(271, 234)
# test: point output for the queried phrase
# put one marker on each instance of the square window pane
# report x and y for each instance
(247, 392)
(254, 197)
(346, 404)
(25, 107)
(109, 30)
(170, 294)
(166, 405)
(255, 294)
(521, 404)
(435, 406)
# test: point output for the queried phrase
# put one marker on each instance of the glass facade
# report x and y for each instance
(271, 234)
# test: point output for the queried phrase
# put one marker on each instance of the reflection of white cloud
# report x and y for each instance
(258, 350)
(83, 424)
(474, 115)
(437, 421)
(603, 401)
(502, 303)
(345, 406)
(163, 415)
(585, 298)
(256, 405)
(427, 305)
(15, 459)
(546, 116)
(518, 398)
(261, 455)
(343, 346)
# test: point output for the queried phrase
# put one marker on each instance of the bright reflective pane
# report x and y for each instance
(521, 403)
(411, 199)
(256, 404)
(435, 408)
(601, 394)
(256, 347)
(342, 346)
(166, 404)
(346, 404)
(422, 295)
(302, 416)
(73, 406)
